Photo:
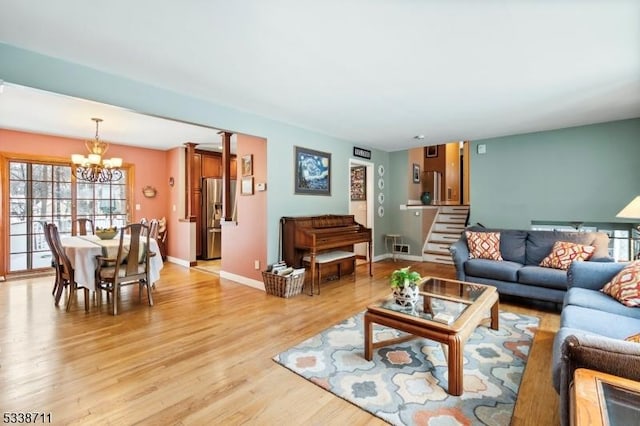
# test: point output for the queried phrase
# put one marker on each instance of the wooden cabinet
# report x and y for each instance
(211, 166)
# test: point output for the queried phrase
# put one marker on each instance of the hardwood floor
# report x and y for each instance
(202, 354)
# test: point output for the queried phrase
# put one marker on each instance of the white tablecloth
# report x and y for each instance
(82, 252)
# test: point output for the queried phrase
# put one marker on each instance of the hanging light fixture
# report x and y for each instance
(93, 168)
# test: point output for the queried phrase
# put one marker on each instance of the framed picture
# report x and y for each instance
(431, 151)
(416, 173)
(359, 183)
(312, 172)
(247, 165)
(246, 186)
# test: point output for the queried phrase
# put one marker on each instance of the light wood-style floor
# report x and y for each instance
(202, 354)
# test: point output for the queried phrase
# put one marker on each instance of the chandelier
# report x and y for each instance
(93, 168)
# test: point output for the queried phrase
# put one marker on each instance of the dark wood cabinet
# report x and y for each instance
(211, 166)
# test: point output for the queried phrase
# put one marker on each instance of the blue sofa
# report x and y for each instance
(519, 274)
(593, 327)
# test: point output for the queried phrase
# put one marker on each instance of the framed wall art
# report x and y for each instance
(358, 183)
(247, 165)
(416, 173)
(246, 186)
(312, 172)
(431, 151)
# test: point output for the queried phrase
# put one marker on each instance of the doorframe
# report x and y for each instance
(370, 170)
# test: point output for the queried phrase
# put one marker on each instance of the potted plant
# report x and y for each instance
(405, 286)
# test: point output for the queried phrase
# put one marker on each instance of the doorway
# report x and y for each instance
(361, 200)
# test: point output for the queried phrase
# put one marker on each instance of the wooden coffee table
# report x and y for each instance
(467, 305)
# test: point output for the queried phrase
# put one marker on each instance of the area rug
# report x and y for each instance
(405, 384)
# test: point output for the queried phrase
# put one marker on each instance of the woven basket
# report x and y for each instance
(283, 286)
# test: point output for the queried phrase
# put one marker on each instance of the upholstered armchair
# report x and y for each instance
(612, 356)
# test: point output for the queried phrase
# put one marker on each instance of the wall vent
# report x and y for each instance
(401, 248)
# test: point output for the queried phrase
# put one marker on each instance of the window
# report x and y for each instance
(47, 192)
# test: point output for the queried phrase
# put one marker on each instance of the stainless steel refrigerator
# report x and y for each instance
(212, 215)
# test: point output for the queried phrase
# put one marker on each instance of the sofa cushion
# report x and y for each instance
(484, 245)
(625, 286)
(597, 300)
(492, 269)
(512, 242)
(599, 322)
(540, 243)
(564, 253)
(543, 277)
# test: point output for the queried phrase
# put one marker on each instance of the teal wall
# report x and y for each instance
(34, 70)
(585, 173)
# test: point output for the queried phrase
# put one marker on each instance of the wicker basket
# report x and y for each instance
(283, 286)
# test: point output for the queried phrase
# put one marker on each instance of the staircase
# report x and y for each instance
(446, 230)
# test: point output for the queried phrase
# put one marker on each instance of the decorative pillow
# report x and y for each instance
(565, 252)
(484, 245)
(625, 287)
(635, 338)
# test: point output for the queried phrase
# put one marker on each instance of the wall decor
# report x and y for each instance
(431, 151)
(171, 181)
(247, 165)
(380, 183)
(358, 183)
(380, 211)
(362, 153)
(246, 186)
(149, 191)
(380, 170)
(381, 197)
(416, 173)
(312, 171)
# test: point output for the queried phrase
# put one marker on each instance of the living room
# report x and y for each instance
(548, 164)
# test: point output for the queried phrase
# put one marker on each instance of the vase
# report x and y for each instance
(425, 198)
(406, 296)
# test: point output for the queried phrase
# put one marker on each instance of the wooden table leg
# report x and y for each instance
(455, 364)
(495, 315)
(312, 259)
(368, 337)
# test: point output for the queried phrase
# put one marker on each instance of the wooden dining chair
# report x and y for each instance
(67, 272)
(129, 266)
(82, 226)
(154, 226)
(58, 282)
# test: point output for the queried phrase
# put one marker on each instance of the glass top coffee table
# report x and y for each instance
(447, 312)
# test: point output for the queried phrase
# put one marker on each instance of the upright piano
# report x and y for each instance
(310, 235)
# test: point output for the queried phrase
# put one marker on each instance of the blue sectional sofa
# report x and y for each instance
(593, 327)
(522, 250)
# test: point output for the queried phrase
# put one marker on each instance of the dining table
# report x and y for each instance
(83, 249)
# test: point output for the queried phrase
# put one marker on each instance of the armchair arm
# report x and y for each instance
(592, 275)
(595, 352)
(460, 254)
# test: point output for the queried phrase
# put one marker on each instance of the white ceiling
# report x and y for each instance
(374, 72)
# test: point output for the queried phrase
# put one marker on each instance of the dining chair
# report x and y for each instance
(154, 226)
(82, 226)
(67, 273)
(54, 260)
(129, 266)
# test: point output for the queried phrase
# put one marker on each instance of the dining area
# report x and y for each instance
(100, 262)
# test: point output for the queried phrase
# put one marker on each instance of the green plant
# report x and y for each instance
(400, 276)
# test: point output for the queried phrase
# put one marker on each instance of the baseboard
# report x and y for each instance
(180, 262)
(249, 282)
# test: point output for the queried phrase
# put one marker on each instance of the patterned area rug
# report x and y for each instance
(406, 384)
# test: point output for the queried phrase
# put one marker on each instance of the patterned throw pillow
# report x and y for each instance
(484, 245)
(635, 338)
(564, 252)
(625, 287)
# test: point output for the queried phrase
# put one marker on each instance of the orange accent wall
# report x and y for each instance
(245, 242)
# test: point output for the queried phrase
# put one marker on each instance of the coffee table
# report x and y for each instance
(465, 304)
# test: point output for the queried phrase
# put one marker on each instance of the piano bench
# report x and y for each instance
(330, 258)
